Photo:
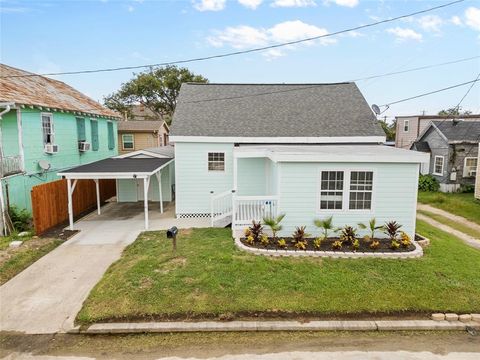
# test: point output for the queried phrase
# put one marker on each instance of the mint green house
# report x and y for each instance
(46, 126)
(245, 151)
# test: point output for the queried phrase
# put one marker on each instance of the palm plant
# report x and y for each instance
(274, 224)
(372, 226)
(391, 229)
(325, 224)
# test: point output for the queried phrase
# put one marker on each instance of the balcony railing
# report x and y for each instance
(10, 165)
(248, 208)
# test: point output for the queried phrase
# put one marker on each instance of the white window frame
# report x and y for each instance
(224, 161)
(465, 168)
(133, 142)
(346, 192)
(357, 191)
(406, 126)
(434, 172)
(52, 129)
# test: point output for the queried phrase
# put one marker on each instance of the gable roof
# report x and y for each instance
(422, 146)
(455, 131)
(140, 125)
(273, 110)
(20, 87)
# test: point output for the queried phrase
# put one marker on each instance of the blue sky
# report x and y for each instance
(54, 36)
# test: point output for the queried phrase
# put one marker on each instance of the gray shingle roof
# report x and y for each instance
(468, 130)
(140, 125)
(273, 110)
(120, 165)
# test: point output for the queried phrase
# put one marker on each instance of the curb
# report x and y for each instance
(418, 252)
(249, 326)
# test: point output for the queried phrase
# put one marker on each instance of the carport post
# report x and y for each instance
(146, 183)
(160, 195)
(97, 188)
(70, 190)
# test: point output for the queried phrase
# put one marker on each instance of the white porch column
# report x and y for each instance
(160, 194)
(235, 171)
(234, 191)
(97, 188)
(146, 183)
(70, 190)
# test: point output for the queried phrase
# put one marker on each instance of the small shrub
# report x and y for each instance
(394, 245)
(325, 224)
(317, 243)
(274, 224)
(247, 232)
(337, 245)
(355, 245)
(467, 188)
(405, 240)
(264, 240)
(348, 235)
(372, 226)
(250, 240)
(428, 183)
(375, 244)
(391, 229)
(301, 245)
(282, 243)
(256, 230)
(299, 234)
(21, 219)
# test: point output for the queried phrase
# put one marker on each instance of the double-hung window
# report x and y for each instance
(438, 165)
(331, 190)
(346, 190)
(406, 125)
(470, 167)
(361, 187)
(128, 142)
(216, 161)
(47, 129)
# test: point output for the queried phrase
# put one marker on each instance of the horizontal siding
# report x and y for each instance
(394, 197)
(252, 176)
(193, 181)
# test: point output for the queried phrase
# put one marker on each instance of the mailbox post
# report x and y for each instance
(172, 234)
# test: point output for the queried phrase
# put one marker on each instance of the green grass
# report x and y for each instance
(456, 203)
(210, 277)
(453, 224)
(24, 258)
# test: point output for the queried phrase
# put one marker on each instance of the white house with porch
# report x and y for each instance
(245, 151)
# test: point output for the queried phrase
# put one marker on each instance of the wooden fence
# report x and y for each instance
(50, 201)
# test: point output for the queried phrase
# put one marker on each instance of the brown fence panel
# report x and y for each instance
(50, 201)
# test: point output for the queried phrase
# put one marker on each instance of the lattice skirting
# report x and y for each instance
(193, 215)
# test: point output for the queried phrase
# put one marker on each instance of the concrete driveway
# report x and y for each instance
(46, 297)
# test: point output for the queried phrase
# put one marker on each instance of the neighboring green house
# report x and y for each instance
(245, 151)
(47, 126)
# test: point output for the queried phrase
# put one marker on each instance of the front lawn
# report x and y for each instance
(210, 278)
(456, 203)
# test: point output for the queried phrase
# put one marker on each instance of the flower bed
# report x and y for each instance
(328, 245)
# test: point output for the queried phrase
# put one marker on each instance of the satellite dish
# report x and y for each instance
(44, 164)
(376, 109)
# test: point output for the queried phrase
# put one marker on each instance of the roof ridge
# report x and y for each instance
(272, 84)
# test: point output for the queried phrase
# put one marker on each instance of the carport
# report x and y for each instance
(136, 167)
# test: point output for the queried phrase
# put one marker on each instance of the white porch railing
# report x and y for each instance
(10, 165)
(249, 208)
(221, 208)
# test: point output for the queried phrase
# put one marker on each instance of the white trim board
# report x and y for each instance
(277, 140)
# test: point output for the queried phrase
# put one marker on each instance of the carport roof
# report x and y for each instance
(117, 168)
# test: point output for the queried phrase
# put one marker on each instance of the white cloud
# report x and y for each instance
(244, 37)
(430, 23)
(251, 4)
(209, 5)
(472, 18)
(455, 20)
(347, 3)
(403, 34)
(130, 8)
(293, 3)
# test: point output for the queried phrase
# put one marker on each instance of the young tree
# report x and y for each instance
(157, 89)
(454, 111)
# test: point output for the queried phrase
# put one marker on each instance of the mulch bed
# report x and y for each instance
(326, 245)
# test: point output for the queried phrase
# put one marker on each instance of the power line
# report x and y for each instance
(415, 69)
(245, 51)
(468, 91)
(430, 93)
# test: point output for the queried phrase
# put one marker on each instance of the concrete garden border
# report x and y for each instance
(418, 252)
